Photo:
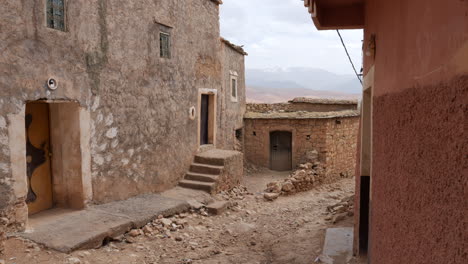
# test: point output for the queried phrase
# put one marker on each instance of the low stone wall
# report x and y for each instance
(232, 173)
(299, 106)
(308, 176)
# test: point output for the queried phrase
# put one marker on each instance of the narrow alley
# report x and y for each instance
(253, 230)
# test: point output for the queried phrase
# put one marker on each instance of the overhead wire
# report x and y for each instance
(349, 57)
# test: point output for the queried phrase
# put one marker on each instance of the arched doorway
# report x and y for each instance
(280, 150)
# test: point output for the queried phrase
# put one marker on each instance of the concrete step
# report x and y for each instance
(205, 186)
(69, 230)
(201, 177)
(206, 169)
(209, 160)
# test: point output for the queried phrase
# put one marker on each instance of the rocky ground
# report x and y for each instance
(288, 230)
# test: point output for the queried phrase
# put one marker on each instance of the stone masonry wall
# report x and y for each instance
(334, 139)
(341, 142)
(233, 110)
(257, 138)
(142, 139)
(294, 107)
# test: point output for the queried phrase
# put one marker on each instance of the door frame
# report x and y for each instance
(81, 119)
(212, 115)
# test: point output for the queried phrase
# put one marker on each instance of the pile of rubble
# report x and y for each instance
(236, 193)
(160, 228)
(3, 225)
(306, 177)
(341, 210)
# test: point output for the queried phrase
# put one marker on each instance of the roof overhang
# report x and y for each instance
(336, 14)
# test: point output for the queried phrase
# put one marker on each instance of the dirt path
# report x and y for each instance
(289, 230)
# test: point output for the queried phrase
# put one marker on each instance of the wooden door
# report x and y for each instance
(204, 119)
(39, 196)
(280, 150)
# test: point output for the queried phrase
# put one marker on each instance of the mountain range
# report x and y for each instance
(281, 85)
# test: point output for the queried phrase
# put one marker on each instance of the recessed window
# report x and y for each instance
(56, 14)
(233, 89)
(239, 133)
(165, 45)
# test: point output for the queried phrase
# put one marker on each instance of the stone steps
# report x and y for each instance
(210, 160)
(204, 173)
(198, 185)
(201, 177)
(206, 168)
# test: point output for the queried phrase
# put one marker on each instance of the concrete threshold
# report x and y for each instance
(67, 230)
(338, 247)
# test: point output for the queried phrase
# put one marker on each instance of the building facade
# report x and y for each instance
(104, 100)
(281, 136)
(411, 184)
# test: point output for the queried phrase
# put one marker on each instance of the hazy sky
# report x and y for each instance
(280, 33)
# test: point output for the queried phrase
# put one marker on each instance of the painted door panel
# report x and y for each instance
(280, 150)
(39, 196)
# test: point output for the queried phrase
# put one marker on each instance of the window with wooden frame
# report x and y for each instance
(164, 45)
(233, 85)
(56, 14)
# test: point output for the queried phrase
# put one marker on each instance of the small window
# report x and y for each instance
(165, 45)
(234, 89)
(56, 14)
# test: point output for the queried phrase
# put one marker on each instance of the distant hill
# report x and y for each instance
(280, 85)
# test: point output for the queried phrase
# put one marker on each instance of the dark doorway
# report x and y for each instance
(280, 150)
(364, 215)
(204, 119)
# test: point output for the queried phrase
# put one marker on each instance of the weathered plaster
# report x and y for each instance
(133, 103)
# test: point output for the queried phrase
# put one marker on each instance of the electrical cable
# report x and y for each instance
(349, 57)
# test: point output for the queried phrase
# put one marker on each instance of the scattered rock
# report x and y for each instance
(271, 196)
(130, 240)
(134, 233)
(339, 217)
(74, 260)
(166, 222)
(274, 187)
(287, 187)
(217, 208)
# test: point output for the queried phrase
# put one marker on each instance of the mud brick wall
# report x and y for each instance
(333, 138)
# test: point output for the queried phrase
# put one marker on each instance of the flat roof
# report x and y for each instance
(327, 101)
(301, 115)
(235, 47)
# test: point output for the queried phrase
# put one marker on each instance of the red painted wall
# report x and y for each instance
(419, 184)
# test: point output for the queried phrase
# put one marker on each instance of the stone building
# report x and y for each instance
(281, 136)
(104, 100)
(411, 184)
